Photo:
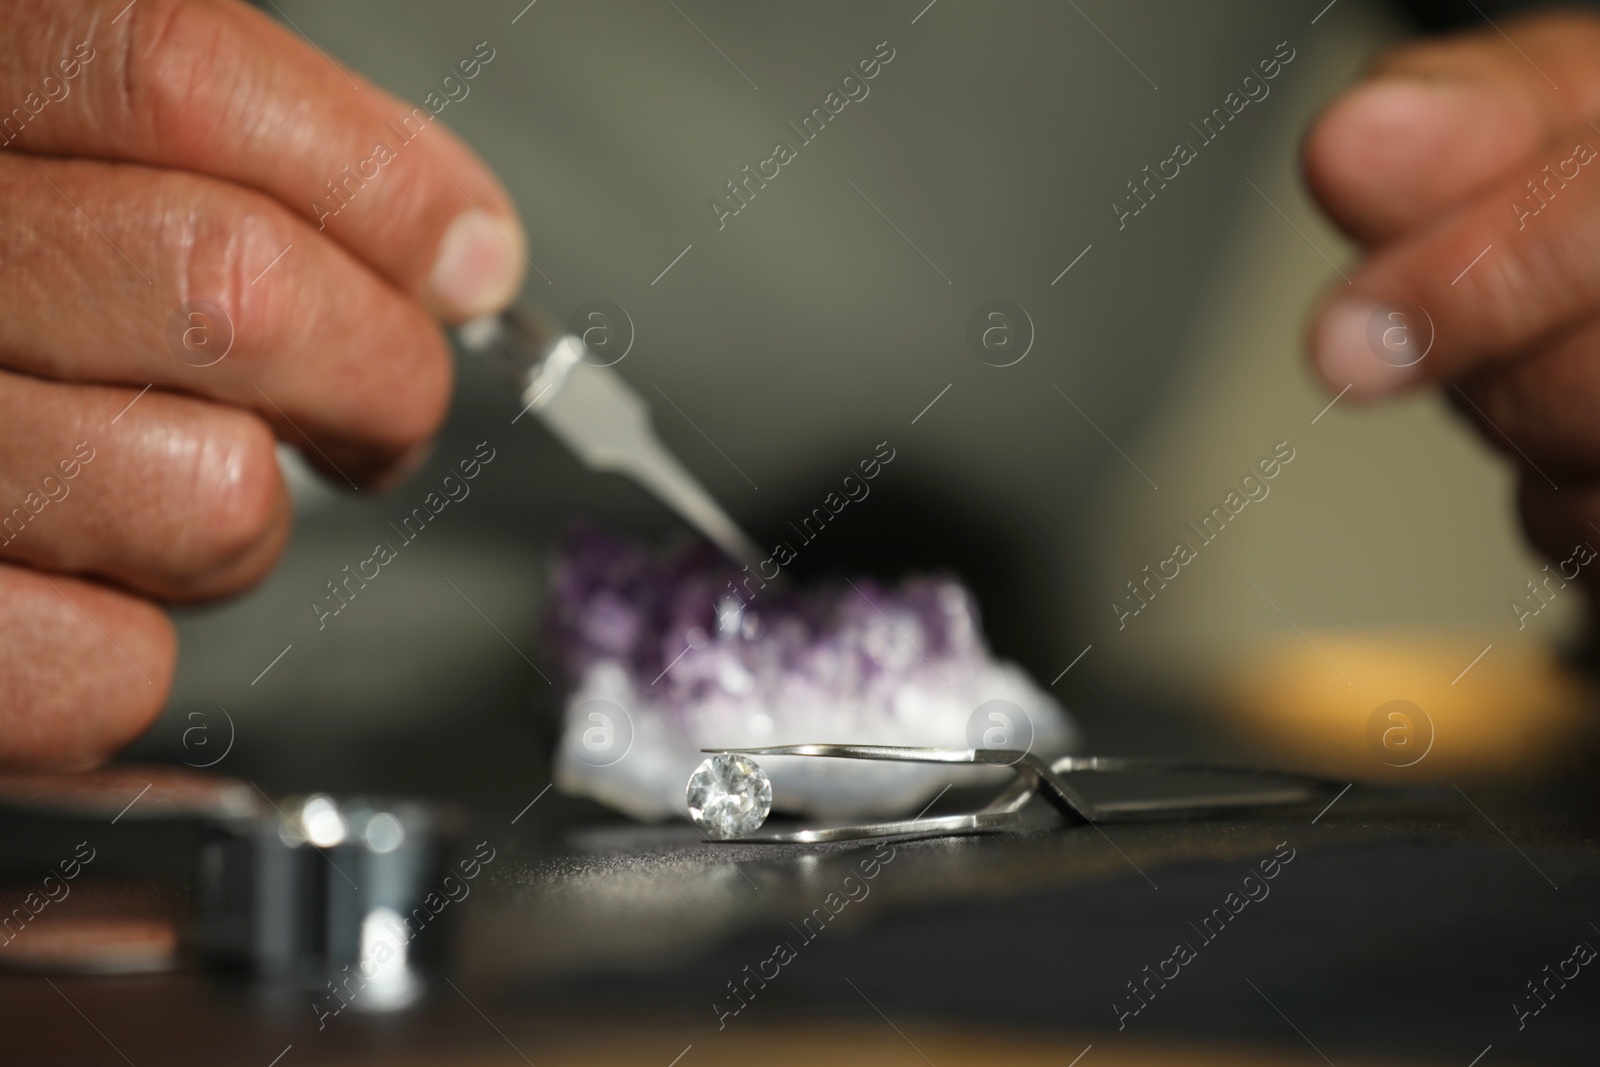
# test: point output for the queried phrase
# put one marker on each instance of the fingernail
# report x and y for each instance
(1410, 105)
(1436, 125)
(479, 265)
(1369, 347)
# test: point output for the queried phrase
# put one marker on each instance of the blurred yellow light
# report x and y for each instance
(1514, 710)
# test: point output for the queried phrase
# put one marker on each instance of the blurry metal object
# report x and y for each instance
(96, 944)
(131, 791)
(594, 412)
(318, 886)
(115, 923)
(1037, 777)
(310, 888)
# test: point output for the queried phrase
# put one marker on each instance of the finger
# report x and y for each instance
(191, 289)
(1540, 409)
(172, 497)
(223, 90)
(85, 669)
(1481, 285)
(1439, 120)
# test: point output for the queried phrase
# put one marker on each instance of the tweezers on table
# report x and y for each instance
(1036, 777)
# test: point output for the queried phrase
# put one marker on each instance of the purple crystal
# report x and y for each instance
(700, 653)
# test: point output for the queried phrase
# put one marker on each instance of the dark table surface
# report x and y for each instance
(1396, 927)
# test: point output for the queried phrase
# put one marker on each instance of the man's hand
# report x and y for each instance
(1469, 167)
(172, 151)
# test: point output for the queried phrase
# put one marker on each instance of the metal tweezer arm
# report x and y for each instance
(1036, 776)
(593, 410)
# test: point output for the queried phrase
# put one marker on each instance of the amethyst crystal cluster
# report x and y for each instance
(667, 654)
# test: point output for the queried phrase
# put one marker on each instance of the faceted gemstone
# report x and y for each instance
(729, 796)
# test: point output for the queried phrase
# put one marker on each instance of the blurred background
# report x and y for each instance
(778, 349)
(833, 310)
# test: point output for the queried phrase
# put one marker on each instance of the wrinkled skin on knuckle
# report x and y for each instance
(217, 246)
(177, 66)
(241, 509)
(383, 373)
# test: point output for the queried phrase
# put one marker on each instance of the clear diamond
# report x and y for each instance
(729, 796)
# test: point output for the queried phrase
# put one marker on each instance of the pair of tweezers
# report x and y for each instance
(1036, 777)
